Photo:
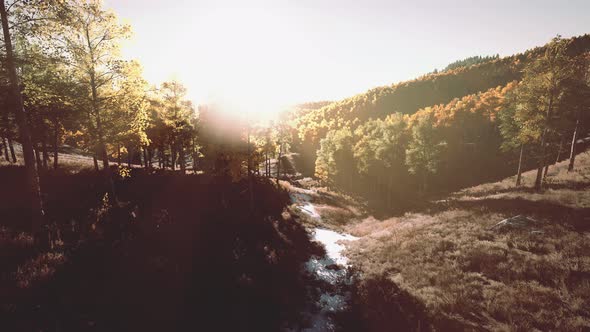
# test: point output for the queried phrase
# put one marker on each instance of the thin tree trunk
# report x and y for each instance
(129, 156)
(2, 145)
(150, 156)
(279, 163)
(542, 157)
(181, 158)
(573, 147)
(101, 141)
(559, 149)
(38, 158)
(5, 147)
(94, 160)
(11, 147)
(519, 172)
(140, 155)
(145, 158)
(44, 151)
(173, 155)
(32, 186)
(119, 154)
(545, 172)
(55, 142)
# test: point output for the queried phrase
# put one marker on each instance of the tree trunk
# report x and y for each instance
(542, 157)
(38, 157)
(559, 149)
(545, 172)
(5, 147)
(129, 156)
(55, 142)
(181, 161)
(2, 145)
(32, 186)
(11, 147)
(519, 172)
(101, 141)
(119, 154)
(44, 151)
(173, 155)
(94, 160)
(148, 152)
(573, 147)
(141, 159)
(279, 163)
(145, 157)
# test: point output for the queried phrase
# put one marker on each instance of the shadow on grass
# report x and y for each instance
(378, 304)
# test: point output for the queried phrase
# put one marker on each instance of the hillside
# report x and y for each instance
(471, 272)
(410, 96)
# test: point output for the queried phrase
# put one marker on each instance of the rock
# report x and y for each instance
(334, 267)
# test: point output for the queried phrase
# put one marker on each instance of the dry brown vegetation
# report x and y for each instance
(472, 277)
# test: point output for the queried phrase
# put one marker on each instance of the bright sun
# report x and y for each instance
(228, 57)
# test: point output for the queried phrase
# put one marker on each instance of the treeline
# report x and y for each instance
(78, 90)
(466, 141)
(470, 61)
(407, 97)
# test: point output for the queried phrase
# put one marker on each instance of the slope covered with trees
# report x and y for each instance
(361, 149)
(407, 97)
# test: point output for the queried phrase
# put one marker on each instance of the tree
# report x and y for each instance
(33, 187)
(539, 95)
(380, 152)
(424, 149)
(90, 41)
(335, 162)
(513, 134)
(282, 137)
(579, 101)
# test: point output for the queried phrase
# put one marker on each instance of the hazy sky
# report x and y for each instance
(262, 54)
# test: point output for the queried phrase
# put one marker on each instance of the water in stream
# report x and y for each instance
(332, 273)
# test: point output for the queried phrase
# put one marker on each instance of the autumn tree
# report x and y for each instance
(380, 153)
(578, 101)
(335, 163)
(539, 96)
(424, 149)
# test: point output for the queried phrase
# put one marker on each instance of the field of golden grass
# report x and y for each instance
(471, 276)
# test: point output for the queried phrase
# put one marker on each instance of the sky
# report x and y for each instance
(260, 56)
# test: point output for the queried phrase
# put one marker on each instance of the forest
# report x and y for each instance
(126, 205)
(471, 124)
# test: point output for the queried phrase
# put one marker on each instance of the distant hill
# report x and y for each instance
(431, 89)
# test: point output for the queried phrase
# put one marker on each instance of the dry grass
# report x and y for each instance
(71, 162)
(562, 187)
(471, 277)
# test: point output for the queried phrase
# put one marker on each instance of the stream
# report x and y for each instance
(331, 293)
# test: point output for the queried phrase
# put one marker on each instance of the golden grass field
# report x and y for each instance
(472, 277)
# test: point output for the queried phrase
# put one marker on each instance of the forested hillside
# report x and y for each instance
(451, 129)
